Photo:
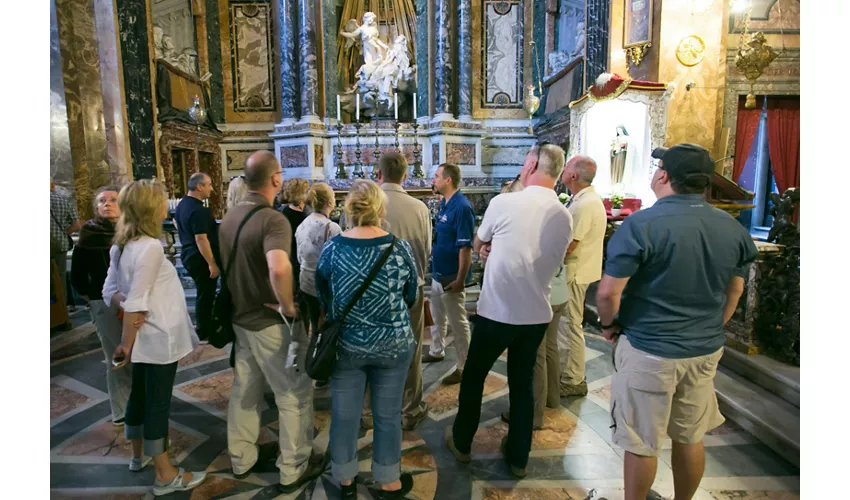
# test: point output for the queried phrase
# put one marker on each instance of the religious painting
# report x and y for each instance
(637, 27)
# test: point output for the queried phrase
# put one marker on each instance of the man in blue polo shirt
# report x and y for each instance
(673, 276)
(451, 259)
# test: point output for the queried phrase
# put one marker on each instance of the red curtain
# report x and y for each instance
(748, 125)
(783, 136)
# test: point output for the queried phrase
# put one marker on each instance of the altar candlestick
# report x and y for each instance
(395, 105)
(357, 107)
(414, 106)
(338, 113)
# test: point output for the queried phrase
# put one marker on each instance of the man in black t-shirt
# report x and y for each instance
(198, 233)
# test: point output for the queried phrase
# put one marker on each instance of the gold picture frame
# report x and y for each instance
(637, 23)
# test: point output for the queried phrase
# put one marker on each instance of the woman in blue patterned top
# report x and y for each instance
(376, 344)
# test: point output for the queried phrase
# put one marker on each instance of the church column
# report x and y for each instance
(308, 72)
(288, 70)
(464, 18)
(596, 58)
(443, 60)
(423, 50)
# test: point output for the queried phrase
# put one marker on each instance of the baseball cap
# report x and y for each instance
(685, 161)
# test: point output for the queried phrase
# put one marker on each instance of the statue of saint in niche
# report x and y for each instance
(622, 151)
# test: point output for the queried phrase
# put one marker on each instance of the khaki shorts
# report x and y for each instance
(654, 397)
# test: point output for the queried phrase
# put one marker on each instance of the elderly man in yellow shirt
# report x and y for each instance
(584, 264)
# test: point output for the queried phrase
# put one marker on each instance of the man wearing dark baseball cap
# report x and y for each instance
(673, 275)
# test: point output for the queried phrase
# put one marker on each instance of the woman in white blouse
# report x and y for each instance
(311, 236)
(157, 330)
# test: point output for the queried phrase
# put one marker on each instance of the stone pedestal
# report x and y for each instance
(740, 331)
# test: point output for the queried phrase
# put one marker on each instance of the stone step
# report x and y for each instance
(771, 419)
(774, 376)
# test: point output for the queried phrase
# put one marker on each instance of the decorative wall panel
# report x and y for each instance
(460, 154)
(294, 156)
(251, 56)
(216, 107)
(502, 50)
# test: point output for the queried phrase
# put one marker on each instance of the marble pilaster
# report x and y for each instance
(443, 59)
(287, 29)
(84, 99)
(61, 166)
(135, 57)
(422, 45)
(596, 58)
(216, 105)
(331, 70)
(114, 109)
(307, 63)
(464, 58)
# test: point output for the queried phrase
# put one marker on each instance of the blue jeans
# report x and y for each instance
(386, 378)
(150, 405)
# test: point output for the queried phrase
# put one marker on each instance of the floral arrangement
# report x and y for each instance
(616, 201)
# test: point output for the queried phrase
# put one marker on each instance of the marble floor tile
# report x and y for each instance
(443, 398)
(64, 400)
(105, 443)
(203, 353)
(213, 390)
(753, 495)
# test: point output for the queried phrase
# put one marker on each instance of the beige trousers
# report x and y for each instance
(574, 338)
(262, 356)
(547, 369)
(449, 308)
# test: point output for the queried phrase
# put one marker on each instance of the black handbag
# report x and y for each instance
(322, 353)
(221, 324)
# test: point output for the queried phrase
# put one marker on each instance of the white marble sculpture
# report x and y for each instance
(385, 69)
(163, 49)
(560, 59)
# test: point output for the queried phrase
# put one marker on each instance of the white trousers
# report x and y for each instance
(449, 308)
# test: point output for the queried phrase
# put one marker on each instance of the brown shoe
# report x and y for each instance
(463, 458)
(428, 358)
(506, 418)
(518, 472)
(569, 390)
(454, 378)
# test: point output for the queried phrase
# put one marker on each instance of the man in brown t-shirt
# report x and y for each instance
(267, 335)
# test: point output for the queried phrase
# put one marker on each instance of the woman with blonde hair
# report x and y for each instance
(310, 237)
(89, 264)
(157, 330)
(376, 341)
(236, 192)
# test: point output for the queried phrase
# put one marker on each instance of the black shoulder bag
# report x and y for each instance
(221, 324)
(322, 354)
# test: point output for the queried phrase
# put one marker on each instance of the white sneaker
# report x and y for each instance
(139, 463)
(177, 483)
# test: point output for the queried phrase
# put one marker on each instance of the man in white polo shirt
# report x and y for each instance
(528, 233)
(584, 264)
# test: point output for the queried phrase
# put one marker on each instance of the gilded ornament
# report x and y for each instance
(638, 52)
(531, 105)
(753, 57)
(691, 50)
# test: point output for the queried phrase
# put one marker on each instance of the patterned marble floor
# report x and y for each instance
(572, 457)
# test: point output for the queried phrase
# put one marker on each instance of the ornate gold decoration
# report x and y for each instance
(691, 50)
(638, 52)
(751, 60)
(754, 55)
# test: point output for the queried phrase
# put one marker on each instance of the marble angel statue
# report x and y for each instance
(374, 49)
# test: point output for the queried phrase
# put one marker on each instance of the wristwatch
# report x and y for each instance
(607, 327)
